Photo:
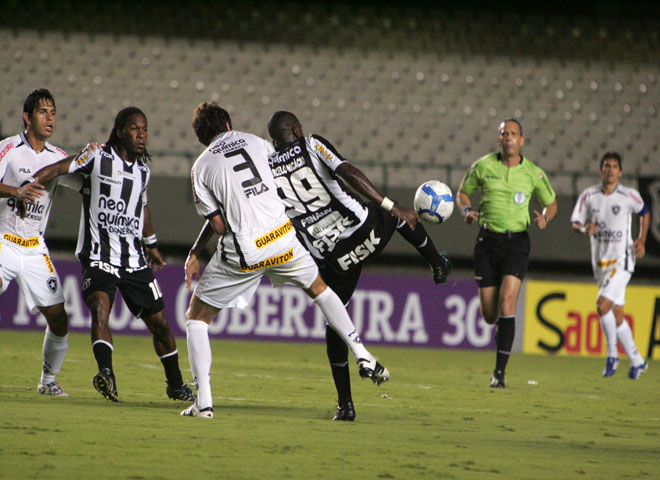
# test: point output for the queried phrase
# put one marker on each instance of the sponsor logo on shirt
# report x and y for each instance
(360, 252)
(285, 156)
(323, 151)
(227, 146)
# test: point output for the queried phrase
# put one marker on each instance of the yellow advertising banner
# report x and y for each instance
(561, 318)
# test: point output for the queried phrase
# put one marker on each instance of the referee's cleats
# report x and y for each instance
(441, 271)
(636, 372)
(194, 411)
(53, 388)
(374, 370)
(610, 366)
(104, 383)
(345, 412)
(182, 393)
(497, 379)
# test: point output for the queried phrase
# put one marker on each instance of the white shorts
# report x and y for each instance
(34, 273)
(612, 285)
(223, 285)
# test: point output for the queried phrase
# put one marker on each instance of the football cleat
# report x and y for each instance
(104, 383)
(636, 372)
(53, 388)
(182, 393)
(497, 379)
(610, 366)
(344, 412)
(373, 370)
(194, 411)
(442, 271)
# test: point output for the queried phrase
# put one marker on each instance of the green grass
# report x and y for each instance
(437, 418)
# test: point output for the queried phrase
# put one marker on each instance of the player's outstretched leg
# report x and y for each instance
(337, 317)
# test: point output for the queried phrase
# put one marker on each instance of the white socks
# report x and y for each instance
(337, 317)
(608, 323)
(199, 354)
(628, 343)
(54, 351)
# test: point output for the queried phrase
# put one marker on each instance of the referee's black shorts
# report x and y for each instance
(500, 254)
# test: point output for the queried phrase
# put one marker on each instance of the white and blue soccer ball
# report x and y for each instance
(434, 201)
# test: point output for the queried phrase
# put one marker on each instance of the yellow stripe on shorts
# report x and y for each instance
(270, 262)
(274, 235)
(49, 264)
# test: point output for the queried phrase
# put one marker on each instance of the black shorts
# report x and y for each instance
(368, 241)
(139, 288)
(342, 283)
(500, 254)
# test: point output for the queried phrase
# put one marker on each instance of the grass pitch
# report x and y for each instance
(436, 419)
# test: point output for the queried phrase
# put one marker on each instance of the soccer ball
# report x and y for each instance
(434, 201)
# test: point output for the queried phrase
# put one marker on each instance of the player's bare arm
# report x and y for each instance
(359, 181)
(192, 265)
(154, 257)
(544, 217)
(470, 215)
(640, 242)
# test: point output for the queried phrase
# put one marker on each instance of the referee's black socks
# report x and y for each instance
(506, 330)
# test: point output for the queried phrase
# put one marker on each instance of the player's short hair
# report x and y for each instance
(280, 126)
(615, 155)
(514, 120)
(121, 120)
(33, 100)
(209, 121)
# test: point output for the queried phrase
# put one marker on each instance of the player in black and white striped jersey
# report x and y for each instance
(340, 230)
(114, 224)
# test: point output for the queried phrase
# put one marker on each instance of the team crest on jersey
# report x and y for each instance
(519, 198)
(52, 284)
(616, 209)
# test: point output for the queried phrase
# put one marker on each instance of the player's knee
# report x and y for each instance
(603, 306)
(57, 320)
(158, 325)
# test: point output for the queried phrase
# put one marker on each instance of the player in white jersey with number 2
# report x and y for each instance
(24, 256)
(234, 190)
(604, 212)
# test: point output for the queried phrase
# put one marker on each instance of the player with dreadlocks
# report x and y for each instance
(117, 245)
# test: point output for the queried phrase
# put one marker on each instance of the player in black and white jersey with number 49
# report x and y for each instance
(339, 229)
(115, 223)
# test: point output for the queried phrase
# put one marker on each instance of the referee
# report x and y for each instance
(501, 255)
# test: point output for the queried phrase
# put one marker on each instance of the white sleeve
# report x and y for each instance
(5, 156)
(325, 152)
(83, 162)
(206, 203)
(581, 210)
(636, 202)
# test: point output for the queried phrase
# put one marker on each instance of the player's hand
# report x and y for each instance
(155, 259)
(30, 191)
(408, 215)
(640, 248)
(540, 219)
(92, 147)
(192, 269)
(471, 216)
(590, 229)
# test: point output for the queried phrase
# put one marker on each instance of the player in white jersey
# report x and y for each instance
(234, 190)
(604, 212)
(339, 229)
(114, 224)
(24, 255)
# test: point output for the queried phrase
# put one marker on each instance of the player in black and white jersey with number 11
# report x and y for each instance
(115, 228)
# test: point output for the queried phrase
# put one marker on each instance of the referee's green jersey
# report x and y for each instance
(506, 191)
